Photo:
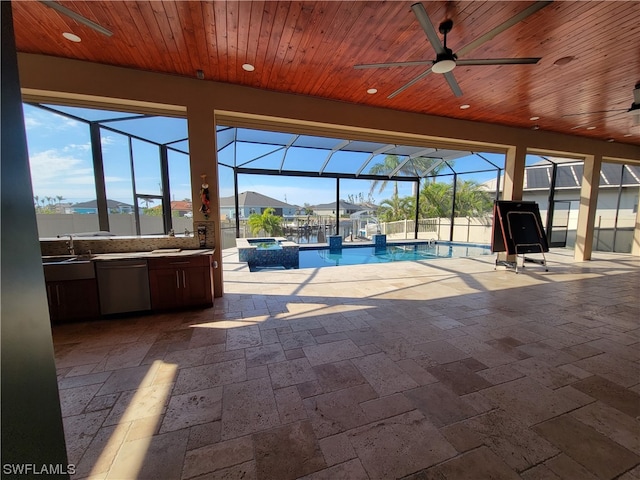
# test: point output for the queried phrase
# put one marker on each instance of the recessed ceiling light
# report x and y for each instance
(563, 61)
(628, 134)
(465, 106)
(610, 140)
(591, 128)
(248, 67)
(534, 118)
(371, 91)
(72, 37)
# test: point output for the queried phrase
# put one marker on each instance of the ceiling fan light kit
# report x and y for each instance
(443, 66)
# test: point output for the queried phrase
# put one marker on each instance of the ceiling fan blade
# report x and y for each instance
(498, 61)
(424, 21)
(394, 64)
(77, 17)
(527, 12)
(451, 80)
(411, 82)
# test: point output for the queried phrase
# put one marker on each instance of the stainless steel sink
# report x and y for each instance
(58, 258)
(70, 269)
(54, 259)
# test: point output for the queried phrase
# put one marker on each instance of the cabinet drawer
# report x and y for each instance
(179, 262)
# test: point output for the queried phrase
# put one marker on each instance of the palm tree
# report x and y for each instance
(472, 200)
(37, 199)
(267, 222)
(435, 200)
(395, 208)
(414, 167)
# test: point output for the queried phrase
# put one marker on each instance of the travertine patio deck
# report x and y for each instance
(440, 369)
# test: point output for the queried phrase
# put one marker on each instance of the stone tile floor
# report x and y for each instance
(440, 369)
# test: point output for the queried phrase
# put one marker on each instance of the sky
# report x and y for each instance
(61, 163)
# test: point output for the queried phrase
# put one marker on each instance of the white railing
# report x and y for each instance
(469, 230)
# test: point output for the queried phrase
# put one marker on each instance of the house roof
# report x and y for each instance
(94, 204)
(177, 205)
(253, 199)
(181, 205)
(569, 176)
(344, 205)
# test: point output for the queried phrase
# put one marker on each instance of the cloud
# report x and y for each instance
(112, 179)
(53, 166)
(81, 180)
(31, 122)
(84, 147)
(108, 140)
(39, 119)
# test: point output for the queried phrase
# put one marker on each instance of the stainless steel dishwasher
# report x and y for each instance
(123, 286)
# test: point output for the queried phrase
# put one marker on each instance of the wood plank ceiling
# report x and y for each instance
(310, 48)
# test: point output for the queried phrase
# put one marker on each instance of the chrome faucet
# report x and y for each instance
(70, 247)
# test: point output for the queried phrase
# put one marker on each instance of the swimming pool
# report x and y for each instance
(367, 254)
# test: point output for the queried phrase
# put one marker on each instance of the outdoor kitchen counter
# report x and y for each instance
(105, 257)
(162, 253)
(83, 287)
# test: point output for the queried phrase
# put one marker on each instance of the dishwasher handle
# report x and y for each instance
(122, 267)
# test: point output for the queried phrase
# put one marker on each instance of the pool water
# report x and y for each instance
(314, 258)
(265, 243)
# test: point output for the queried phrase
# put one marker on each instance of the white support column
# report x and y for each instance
(203, 161)
(587, 210)
(635, 246)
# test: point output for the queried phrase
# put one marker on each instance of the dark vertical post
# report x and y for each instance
(236, 202)
(166, 193)
(551, 201)
(615, 222)
(337, 206)
(415, 229)
(453, 205)
(136, 210)
(98, 173)
(498, 177)
(32, 431)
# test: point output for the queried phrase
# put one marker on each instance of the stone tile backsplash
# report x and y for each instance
(96, 245)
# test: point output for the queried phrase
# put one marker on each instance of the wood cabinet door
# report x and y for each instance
(79, 299)
(197, 286)
(73, 300)
(53, 298)
(165, 286)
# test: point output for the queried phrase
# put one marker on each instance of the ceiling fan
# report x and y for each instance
(77, 17)
(633, 111)
(446, 60)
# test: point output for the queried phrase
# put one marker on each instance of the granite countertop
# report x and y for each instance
(160, 253)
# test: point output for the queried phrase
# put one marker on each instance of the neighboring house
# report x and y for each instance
(346, 208)
(617, 205)
(182, 207)
(614, 187)
(252, 202)
(91, 207)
